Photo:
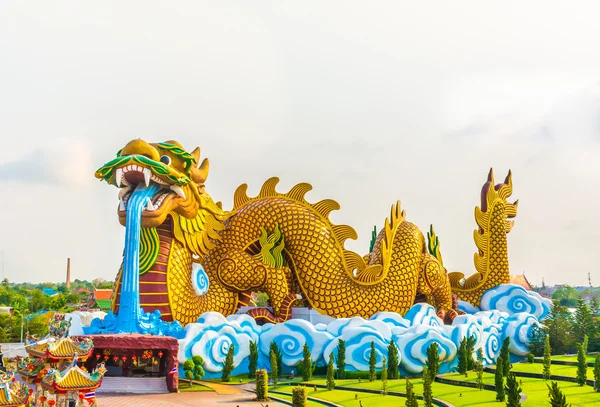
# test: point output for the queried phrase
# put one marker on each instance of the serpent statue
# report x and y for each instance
(286, 247)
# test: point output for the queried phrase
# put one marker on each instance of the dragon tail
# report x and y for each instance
(494, 222)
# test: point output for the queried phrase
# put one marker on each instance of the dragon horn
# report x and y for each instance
(200, 174)
(508, 179)
(196, 154)
(491, 176)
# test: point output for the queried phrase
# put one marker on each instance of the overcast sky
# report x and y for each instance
(370, 102)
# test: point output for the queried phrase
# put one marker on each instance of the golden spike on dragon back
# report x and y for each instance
(286, 247)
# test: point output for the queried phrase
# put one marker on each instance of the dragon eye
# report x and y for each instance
(165, 159)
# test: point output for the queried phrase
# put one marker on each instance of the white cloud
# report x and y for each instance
(62, 161)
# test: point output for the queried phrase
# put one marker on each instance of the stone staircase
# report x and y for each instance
(141, 385)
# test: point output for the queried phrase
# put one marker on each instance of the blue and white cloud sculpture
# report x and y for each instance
(513, 299)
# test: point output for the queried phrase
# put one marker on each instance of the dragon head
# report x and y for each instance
(169, 165)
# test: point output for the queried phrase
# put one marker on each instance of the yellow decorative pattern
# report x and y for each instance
(491, 259)
(62, 348)
(12, 394)
(74, 378)
(313, 264)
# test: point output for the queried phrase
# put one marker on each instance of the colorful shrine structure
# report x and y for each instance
(12, 393)
(52, 367)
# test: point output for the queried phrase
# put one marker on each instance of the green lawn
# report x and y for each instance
(288, 397)
(559, 370)
(535, 389)
(347, 398)
(470, 397)
(234, 380)
(573, 358)
(537, 392)
(185, 387)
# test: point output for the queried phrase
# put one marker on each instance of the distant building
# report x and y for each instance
(522, 281)
(101, 299)
(50, 292)
(6, 310)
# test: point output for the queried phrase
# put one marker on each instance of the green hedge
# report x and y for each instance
(299, 396)
(262, 385)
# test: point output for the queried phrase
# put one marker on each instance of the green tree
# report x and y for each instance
(479, 372)
(499, 380)
(274, 371)
(253, 360)
(537, 337)
(557, 398)
(330, 374)
(469, 349)
(194, 368)
(393, 360)
(38, 301)
(597, 373)
(278, 357)
(547, 358)
(341, 359)
(581, 365)
(299, 396)
(513, 391)
(505, 353)
(411, 397)
(228, 366)
(372, 362)
(384, 375)
(262, 385)
(595, 306)
(433, 360)
(583, 322)
(307, 368)
(462, 357)
(559, 328)
(566, 296)
(427, 391)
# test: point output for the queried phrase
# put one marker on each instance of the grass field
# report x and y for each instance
(537, 392)
(347, 398)
(535, 389)
(288, 397)
(573, 358)
(185, 387)
(559, 370)
(234, 380)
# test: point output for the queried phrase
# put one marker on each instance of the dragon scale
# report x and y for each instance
(284, 246)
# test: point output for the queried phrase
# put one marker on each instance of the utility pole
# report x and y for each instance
(590, 280)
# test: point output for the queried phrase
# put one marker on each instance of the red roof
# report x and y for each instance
(102, 293)
(522, 281)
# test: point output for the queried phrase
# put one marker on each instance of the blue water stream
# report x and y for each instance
(129, 309)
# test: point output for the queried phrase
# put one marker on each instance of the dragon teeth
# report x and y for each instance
(178, 190)
(147, 174)
(118, 176)
(150, 207)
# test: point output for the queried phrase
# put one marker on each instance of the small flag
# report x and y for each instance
(90, 395)
(174, 370)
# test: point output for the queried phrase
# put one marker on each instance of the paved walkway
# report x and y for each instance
(223, 389)
(187, 399)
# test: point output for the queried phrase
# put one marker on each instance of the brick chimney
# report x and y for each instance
(68, 274)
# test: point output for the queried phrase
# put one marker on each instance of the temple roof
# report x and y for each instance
(62, 348)
(74, 378)
(29, 369)
(12, 394)
(522, 281)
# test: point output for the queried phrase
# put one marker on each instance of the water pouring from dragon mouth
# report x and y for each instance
(129, 308)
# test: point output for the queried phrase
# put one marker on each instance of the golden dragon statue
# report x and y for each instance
(286, 247)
